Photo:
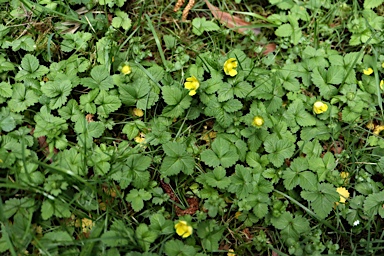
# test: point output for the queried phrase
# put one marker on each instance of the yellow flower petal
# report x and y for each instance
(368, 71)
(231, 252)
(126, 70)
(320, 107)
(192, 84)
(183, 229)
(344, 175)
(382, 84)
(344, 194)
(258, 121)
(378, 129)
(138, 112)
(229, 67)
(370, 125)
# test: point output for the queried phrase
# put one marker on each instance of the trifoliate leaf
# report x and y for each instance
(216, 178)
(107, 103)
(137, 198)
(201, 24)
(121, 20)
(278, 149)
(373, 204)
(101, 79)
(221, 154)
(323, 199)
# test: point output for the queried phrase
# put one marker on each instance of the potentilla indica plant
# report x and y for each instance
(107, 149)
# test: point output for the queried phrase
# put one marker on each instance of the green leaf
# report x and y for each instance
(58, 91)
(160, 224)
(101, 79)
(278, 150)
(221, 154)
(177, 99)
(170, 41)
(5, 90)
(232, 105)
(201, 24)
(22, 98)
(284, 30)
(136, 169)
(241, 182)
(136, 93)
(178, 248)
(137, 198)
(107, 103)
(121, 20)
(216, 178)
(373, 204)
(30, 68)
(321, 78)
(322, 166)
(210, 234)
(370, 4)
(145, 236)
(323, 199)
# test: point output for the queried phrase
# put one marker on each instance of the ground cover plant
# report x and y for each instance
(163, 128)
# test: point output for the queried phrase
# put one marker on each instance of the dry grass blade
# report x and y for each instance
(230, 20)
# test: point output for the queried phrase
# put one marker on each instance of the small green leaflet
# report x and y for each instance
(87, 131)
(322, 199)
(278, 149)
(241, 182)
(30, 68)
(22, 98)
(201, 24)
(222, 153)
(177, 160)
(145, 236)
(178, 248)
(373, 204)
(177, 101)
(291, 227)
(77, 41)
(121, 20)
(216, 178)
(323, 165)
(296, 112)
(136, 94)
(107, 103)
(57, 91)
(210, 234)
(100, 79)
(5, 89)
(137, 198)
(296, 175)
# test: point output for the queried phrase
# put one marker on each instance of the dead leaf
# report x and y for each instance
(269, 48)
(231, 21)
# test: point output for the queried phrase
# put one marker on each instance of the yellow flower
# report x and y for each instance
(382, 84)
(344, 194)
(139, 139)
(258, 121)
(230, 67)
(126, 70)
(87, 225)
(378, 129)
(370, 125)
(320, 107)
(183, 229)
(192, 85)
(344, 175)
(231, 252)
(138, 112)
(368, 71)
